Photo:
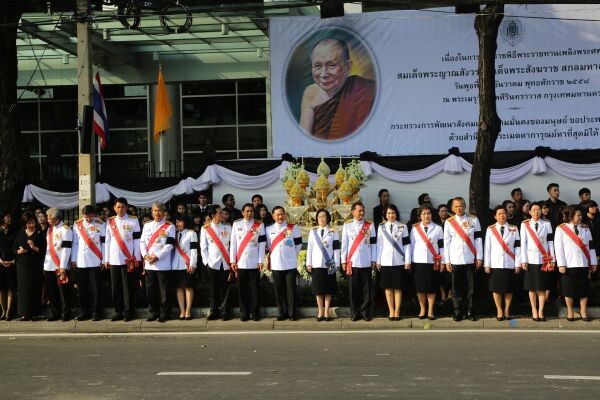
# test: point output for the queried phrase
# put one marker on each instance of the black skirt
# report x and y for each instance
(536, 279)
(392, 277)
(8, 278)
(502, 280)
(426, 279)
(323, 282)
(182, 280)
(575, 283)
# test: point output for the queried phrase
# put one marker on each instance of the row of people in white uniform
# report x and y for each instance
(242, 246)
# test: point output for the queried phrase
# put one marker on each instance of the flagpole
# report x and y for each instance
(160, 142)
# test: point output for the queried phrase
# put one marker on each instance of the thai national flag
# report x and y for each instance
(100, 118)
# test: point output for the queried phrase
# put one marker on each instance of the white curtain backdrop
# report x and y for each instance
(215, 174)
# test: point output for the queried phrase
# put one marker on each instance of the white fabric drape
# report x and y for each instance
(215, 174)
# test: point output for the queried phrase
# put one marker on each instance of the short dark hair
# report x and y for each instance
(203, 193)
(390, 207)
(356, 204)
(382, 191)
(212, 210)
(551, 185)
(439, 207)
(500, 207)
(585, 207)
(507, 202)
(257, 196)
(88, 210)
(423, 208)
(515, 190)
(277, 208)
(121, 200)
(184, 218)
(569, 212)
(421, 198)
(28, 216)
(584, 191)
(226, 197)
(248, 205)
(327, 214)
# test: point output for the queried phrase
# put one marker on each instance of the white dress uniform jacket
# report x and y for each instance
(386, 253)
(420, 251)
(81, 252)
(331, 244)
(529, 250)
(254, 253)
(456, 250)
(129, 228)
(568, 253)
(366, 253)
(211, 255)
(162, 246)
(188, 242)
(495, 256)
(62, 237)
(285, 255)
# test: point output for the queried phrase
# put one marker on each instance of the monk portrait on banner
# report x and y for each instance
(338, 103)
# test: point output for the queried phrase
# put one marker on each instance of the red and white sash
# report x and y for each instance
(246, 240)
(459, 230)
(502, 242)
(546, 258)
(88, 240)
(211, 232)
(357, 240)
(578, 242)
(278, 240)
(129, 259)
(437, 259)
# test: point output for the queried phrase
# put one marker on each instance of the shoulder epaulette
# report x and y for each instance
(382, 223)
(527, 220)
(491, 226)
(449, 218)
(239, 219)
(511, 225)
(585, 226)
(205, 226)
(369, 222)
(348, 221)
(98, 220)
(562, 224)
(79, 220)
(113, 217)
(472, 215)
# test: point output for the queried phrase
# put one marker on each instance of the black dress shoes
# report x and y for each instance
(319, 319)
(25, 319)
(328, 319)
(471, 317)
(127, 317)
(457, 317)
(212, 317)
(499, 318)
(431, 318)
(586, 319)
(96, 317)
(152, 317)
(65, 317)
(256, 318)
(117, 317)
(355, 318)
(281, 318)
(83, 317)
(53, 318)
(244, 318)
(421, 316)
(163, 318)
(367, 318)
(571, 319)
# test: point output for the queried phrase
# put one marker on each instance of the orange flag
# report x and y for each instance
(162, 108)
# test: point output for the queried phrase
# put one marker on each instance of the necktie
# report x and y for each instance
(502, 231)
(390, 228)
(536, 226)
(576, 230)
(322, 232)
(426, 229)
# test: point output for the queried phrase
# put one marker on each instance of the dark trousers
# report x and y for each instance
(157, 291)
(89, 283)
(361, 298)
(462, 288)
(219, 290)
(285, 292)
(58, 295)
(123, 288)
(249, 284)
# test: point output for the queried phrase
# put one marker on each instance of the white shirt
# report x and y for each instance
(285, 255)
(254, 253)
(529, 250)
(211, 255)
(568, 253)
(161, 247)
(495, 256)
(456, 250)
(366, 253)
(62, 237)
(331, 244)
(129, 229)
(188, 241)
(386, 253)
(420, 251)
(81, 253)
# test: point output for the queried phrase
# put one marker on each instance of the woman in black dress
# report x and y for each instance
(322, 261)
(8, 273)
(30, 249)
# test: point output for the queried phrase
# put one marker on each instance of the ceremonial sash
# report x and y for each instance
(328, 260)
(183, 254)
(437, 259)
(219, 243)
(246, 240)
(357, 240)
(278, 240)
(88, 240)
(117, 235)
(502, 242)
(578, 242)
(546, 258)
(459, 230)
(391, 241)
(51, 248)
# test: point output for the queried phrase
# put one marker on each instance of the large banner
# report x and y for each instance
(401, 83)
